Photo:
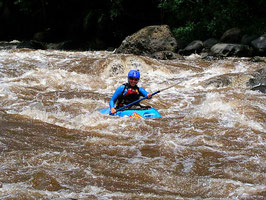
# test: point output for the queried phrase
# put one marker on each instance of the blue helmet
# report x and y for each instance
(134, 74)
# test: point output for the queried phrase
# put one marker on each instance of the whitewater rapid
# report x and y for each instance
(209, 143)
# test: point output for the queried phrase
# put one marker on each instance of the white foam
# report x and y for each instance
(226, 112)
(247, 190)
(193, 56)
(214, 104)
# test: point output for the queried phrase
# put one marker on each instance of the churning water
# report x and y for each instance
(209, 143)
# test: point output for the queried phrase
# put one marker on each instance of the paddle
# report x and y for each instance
(134, 102)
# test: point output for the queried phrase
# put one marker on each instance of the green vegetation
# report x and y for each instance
(112, 20)
(200, 19)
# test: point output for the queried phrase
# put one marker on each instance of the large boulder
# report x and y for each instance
(259, 45)
(149, 40)
(232, 35)
(238, 50)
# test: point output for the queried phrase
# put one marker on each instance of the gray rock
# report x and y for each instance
(181, 44)
(166, 55)
(210, 42)
(257, 59)
(232, 35)
(261, 88)
(258, 78)
(194, 47)
(259, 45)
(221, 81)
(247, 39)
(149, 40)
(31, 45)
(238, 50)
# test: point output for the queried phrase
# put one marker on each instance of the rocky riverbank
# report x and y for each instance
(158, 42)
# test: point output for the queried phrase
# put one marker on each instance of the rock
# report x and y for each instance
(257, 59)
(247, 39)
(8, 45)
(258, 80)
(149, 40)
(261, 88)
(70, 45)
(253, 81)
(180, 44)
(32, 44)
(207, 44)
(207, 57)
(221, 81)
(259, 45)
(166, 55)
(43, 36)
(232, 35)
(239, 50)
(194, 47)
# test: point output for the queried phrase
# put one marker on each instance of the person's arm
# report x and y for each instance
(145, 93)
(118, 92)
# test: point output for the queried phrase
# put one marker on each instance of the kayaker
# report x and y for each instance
(128, 92)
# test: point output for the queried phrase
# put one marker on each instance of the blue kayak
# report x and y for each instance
(146, 113)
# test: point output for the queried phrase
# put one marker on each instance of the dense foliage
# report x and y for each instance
(192, 19)
(110, 21)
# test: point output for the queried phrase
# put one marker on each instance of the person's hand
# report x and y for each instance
(113, 110)
(149, 95)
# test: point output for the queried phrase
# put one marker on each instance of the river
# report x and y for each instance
(209, 143)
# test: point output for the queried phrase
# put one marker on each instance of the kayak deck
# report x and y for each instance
(147, 113)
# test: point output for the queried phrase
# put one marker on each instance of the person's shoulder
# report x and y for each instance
(142, 90)
(121, 87)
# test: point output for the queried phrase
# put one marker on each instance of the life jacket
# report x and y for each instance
(131, 95)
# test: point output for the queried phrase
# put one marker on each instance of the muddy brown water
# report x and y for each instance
(209, 143)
